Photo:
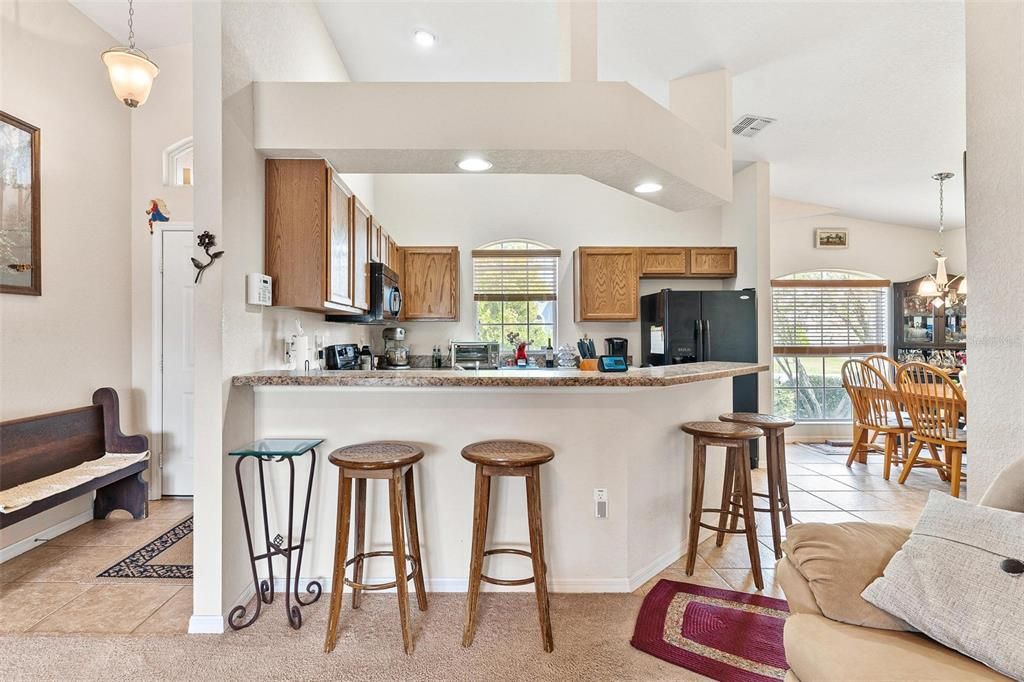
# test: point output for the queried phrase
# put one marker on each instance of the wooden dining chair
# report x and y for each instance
(876, 410)
(885, 365)
(938, 411)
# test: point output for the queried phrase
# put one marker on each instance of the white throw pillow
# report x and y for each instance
(953, 580)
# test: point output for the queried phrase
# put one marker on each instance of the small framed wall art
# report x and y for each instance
(19, 207)
(831, 238)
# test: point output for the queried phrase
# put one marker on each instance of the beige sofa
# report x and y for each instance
(819, 648)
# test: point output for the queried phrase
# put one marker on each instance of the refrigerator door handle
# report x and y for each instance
(698, 333)
(707, 340)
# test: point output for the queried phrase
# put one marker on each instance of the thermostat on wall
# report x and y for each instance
(258, 289)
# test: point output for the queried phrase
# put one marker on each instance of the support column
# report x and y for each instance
(577, 23)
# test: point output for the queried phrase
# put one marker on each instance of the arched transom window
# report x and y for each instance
(515, 288)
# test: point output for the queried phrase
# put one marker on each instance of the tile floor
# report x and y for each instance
(54, 589)
(822, 490)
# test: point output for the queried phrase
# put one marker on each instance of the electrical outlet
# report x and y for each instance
(601, 503)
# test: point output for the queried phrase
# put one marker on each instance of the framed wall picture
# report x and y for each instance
(20, 259)
(831, 238)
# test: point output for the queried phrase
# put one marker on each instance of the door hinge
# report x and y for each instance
(160, 460)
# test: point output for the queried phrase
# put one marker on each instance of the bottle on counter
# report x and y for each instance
(436, 360)
(365, 359)
(549, 355)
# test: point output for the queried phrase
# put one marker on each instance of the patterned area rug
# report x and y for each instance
(725, 635)
(167, 558)
(827, 449)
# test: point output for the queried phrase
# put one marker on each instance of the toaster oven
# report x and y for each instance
(474, 354)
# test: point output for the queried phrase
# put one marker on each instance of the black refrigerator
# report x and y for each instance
(696, 326)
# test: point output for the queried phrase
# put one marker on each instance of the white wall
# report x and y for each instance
(895, 252)
(56, 349)
(240, 42)
(995, 219)
(564, 211)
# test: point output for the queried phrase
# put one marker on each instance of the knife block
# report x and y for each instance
(588, 365)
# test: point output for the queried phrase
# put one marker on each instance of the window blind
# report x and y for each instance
(829, 317)
(515, 274)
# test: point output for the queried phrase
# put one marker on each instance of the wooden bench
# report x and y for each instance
(32, 448)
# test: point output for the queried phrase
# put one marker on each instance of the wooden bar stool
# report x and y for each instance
(508, 458)
(778, 486)
(735, 438)
(391, 461)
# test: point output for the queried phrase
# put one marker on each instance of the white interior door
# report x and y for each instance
(177, 363)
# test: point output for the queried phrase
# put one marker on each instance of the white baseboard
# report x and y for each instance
(654, 568)
(40, 538)
(206, 625)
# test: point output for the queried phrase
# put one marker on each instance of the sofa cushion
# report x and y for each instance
(838, 560)
(798, 593)
(952, 582)
(1007, 490)
(821, 650)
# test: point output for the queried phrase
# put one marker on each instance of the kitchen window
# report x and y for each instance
(820, 320)
(515, 289)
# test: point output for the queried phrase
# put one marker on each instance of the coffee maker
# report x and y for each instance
(396, 353)
(616, 345)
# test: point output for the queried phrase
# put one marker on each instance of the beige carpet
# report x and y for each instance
(592, 634)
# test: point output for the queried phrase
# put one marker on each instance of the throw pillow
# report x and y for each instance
(957, 580)
(839, 560)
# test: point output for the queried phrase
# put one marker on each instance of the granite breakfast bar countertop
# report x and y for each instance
(432, 378)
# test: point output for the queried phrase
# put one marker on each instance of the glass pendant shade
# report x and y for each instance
(962, 287)
(131, 74)
(927, 287)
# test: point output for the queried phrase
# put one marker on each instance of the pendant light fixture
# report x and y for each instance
(938, 287)
(131, 71)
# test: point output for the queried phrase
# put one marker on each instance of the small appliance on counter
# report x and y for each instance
(396, 352)
(474, 354)
(618, 346)
(341, 356)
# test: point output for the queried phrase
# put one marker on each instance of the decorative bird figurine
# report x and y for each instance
(157, 211)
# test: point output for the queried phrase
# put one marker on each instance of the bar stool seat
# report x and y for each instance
(376, 455)
(735, 438)
(508, 453)
(722, 430)
(392, 461)
(775, 455)
(508, 458)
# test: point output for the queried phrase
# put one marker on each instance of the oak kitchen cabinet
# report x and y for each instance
(663, 261)
(318, 238)
(713, 261)
(430, 282)
(607, 283)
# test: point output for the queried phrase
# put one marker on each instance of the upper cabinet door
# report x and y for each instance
(297, 197)
(360, 254)
(430, 282)
(663, 261)
(340, 285)
(607, 283)
(375, 230)
(713, 261)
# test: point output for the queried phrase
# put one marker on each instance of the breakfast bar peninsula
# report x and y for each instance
(616, 432)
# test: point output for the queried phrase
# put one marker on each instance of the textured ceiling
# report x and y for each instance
(158, 23)
(869, 96)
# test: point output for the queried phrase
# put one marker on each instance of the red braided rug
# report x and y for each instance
(725, 635)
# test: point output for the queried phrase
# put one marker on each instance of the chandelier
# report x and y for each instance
(131, 71)
(938, 287)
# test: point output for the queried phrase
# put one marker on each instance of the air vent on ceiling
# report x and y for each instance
(750, 125)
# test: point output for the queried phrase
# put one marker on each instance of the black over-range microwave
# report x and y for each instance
(385, 297)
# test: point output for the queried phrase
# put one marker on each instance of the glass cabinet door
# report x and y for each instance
(956, 322)
(918, 320)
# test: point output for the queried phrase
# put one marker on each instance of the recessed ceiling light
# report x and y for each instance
(424, 38)
(647, 188)
(475, 164)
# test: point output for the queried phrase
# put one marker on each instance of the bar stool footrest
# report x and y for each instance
(502, 581)
(380, 586)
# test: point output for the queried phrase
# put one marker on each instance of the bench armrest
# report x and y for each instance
(116, 441)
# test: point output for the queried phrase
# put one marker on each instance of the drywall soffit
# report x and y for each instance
(610, 132)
